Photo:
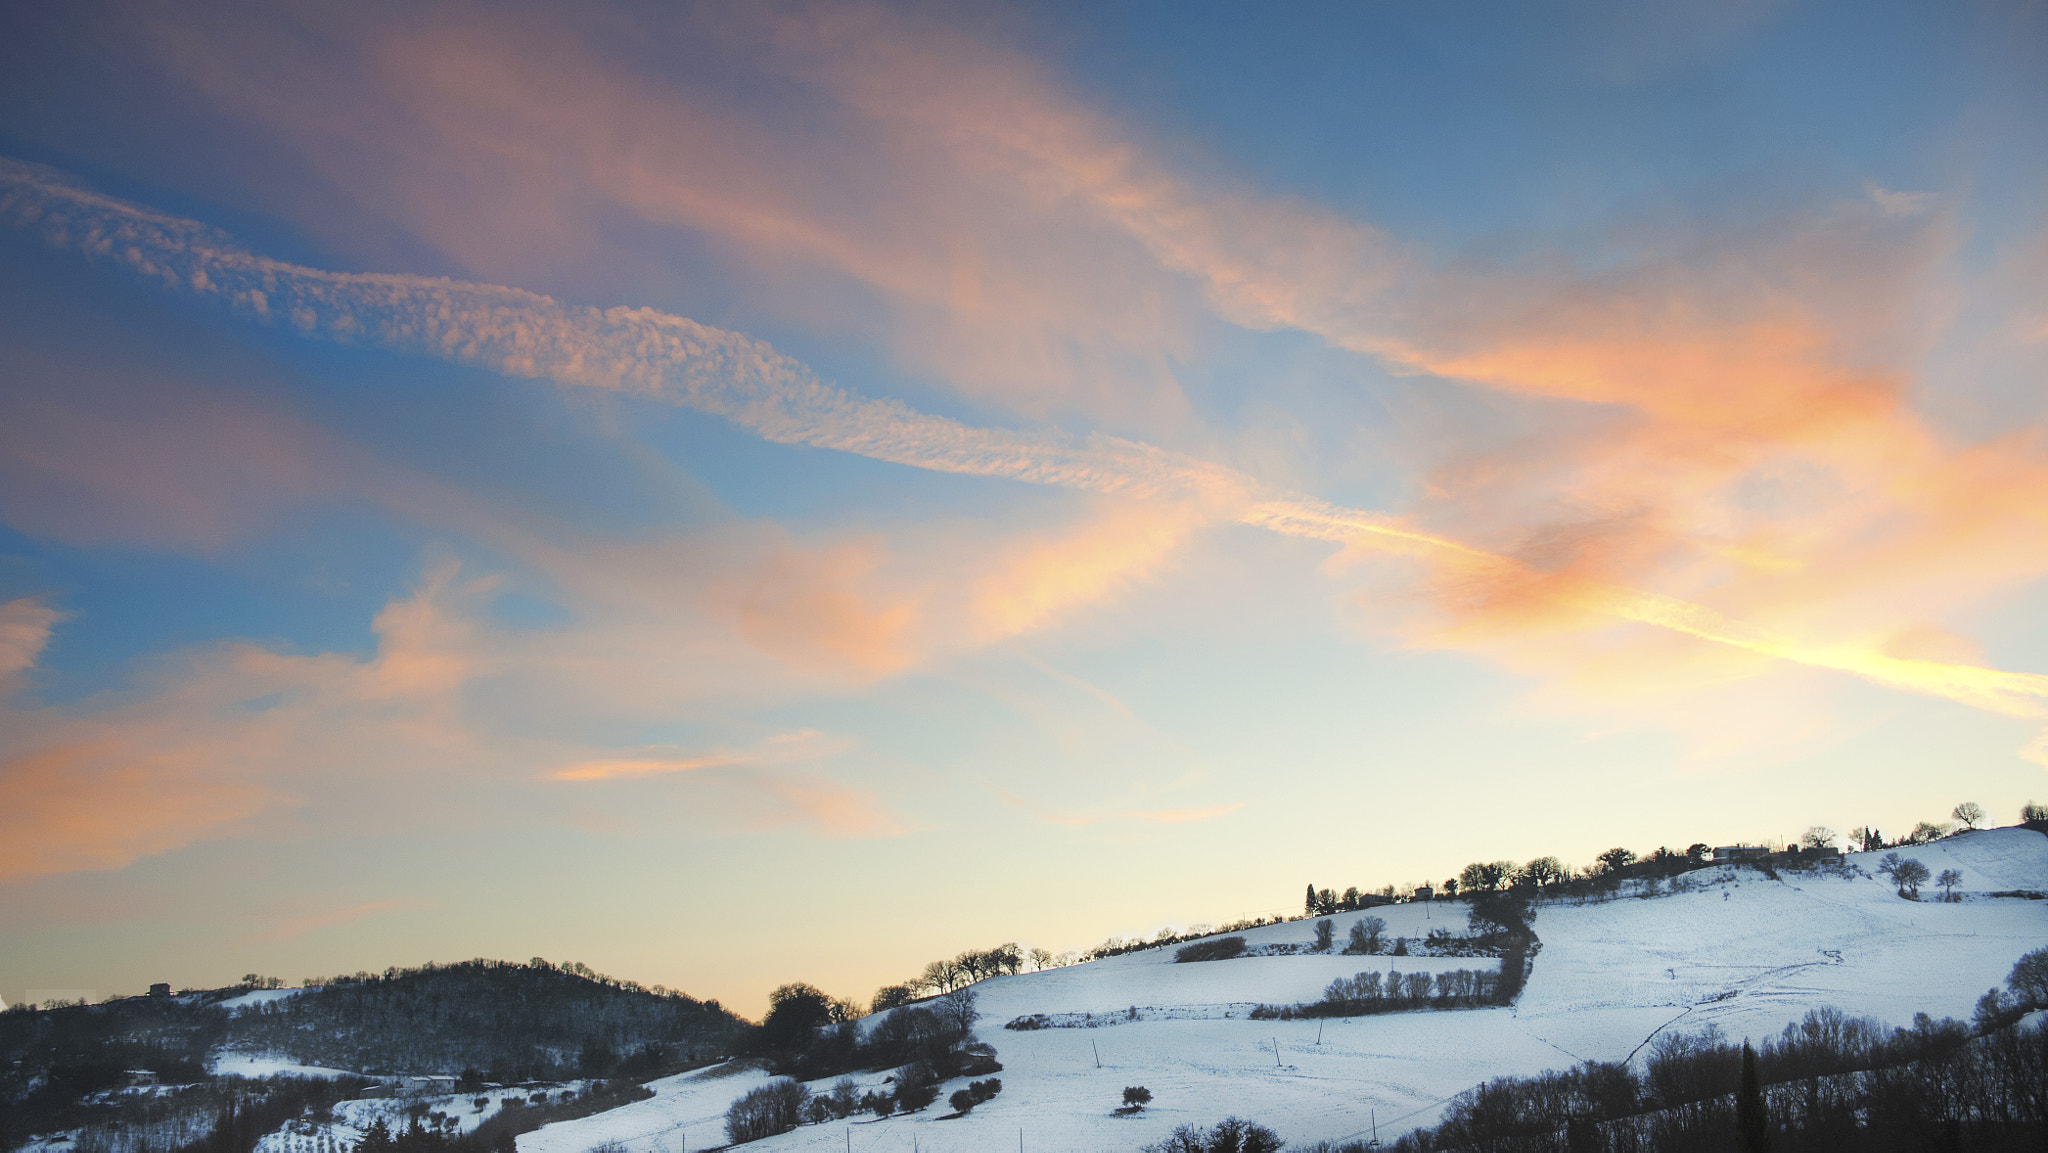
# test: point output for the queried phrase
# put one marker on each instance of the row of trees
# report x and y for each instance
(1965, 817)
(1829, 1082)
(1323, 902)
(1909, 874)
(1545, 873)
(944, 976)
(1373, 992)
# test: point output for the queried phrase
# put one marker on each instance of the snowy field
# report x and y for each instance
(257, 1065)
(1740, 952)
(255, 998)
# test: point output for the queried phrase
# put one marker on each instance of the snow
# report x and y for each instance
(687, 1112)
(1740, 952)
(258, 1065)
(255, 998)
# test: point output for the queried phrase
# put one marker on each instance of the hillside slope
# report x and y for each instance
(1739, 952)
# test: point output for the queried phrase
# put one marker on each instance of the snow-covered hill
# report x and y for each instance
(1737, 951)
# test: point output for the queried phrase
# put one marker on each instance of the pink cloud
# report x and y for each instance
(25, 625)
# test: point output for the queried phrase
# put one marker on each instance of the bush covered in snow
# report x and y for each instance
(1215, 949)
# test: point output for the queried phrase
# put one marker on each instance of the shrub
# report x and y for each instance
(1220, 949)
(964, 1100)
(1366, 936)
(1231, 1135)
(2029, 980)
(916, 1088)
(774, 1108)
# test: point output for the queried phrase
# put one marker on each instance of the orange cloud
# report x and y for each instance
(99, 805)
(783, 748)
(1035, 580)
(805, 606)
(468, 128)
(1735, 425)
(833, 808)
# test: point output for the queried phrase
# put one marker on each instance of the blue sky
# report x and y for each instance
(736, 496)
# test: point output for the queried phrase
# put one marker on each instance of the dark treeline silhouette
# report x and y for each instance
(1323, 902)
(513, 1022)
(1374, 992)
(1231, 1135)
(810, 1036)
(51, 1060)
(1829, 1082)
(944, 976)
(1548, 877)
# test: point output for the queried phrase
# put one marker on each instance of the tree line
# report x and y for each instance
(512, 1022)
(1549, 875)
(1830, 1081)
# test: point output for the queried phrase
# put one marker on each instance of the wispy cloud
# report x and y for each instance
(746, 381)
(780, 749)
(25, 625)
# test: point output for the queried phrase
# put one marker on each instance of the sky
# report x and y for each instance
(738, 494)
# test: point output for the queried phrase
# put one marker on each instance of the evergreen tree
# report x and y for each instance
(1752, 1127)
(1308, 905)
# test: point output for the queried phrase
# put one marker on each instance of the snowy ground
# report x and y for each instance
(257, 1065)
(1740, 952)
(256, 997)
(447, 1113)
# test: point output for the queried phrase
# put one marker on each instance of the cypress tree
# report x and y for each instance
(1309, 906)
(1752, 1128)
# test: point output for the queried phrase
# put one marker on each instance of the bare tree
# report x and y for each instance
(956, 1008)
(1925, 831)
(1908, 874)
(941, 976)
(1968, 814)
(1041, 958)
(1818, 837)
(890, 996)
(1948, 881)
(1543, 871)
(1367, 936)
(1616, 859)
(1485, 876)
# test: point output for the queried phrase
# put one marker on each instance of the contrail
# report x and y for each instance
(644, 352)
(632, 350)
